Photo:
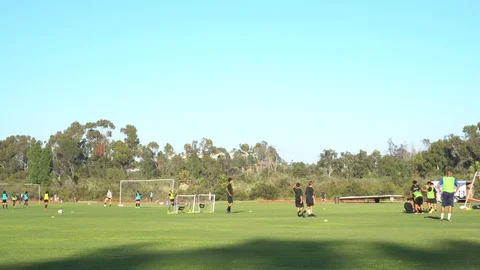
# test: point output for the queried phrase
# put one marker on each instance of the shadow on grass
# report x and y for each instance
(448, 255)
(272, 254)
(432, 217)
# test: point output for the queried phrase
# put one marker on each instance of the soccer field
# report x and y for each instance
(255, 236)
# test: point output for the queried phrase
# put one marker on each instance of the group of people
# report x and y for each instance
(25, 197)
(300, 200)
(447, 186)
(138, 197)
(14, 199)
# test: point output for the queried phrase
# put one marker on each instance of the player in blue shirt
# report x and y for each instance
(25, 199)
(4, 200)
(137, 199)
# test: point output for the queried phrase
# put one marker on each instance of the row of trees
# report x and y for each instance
(83, 160)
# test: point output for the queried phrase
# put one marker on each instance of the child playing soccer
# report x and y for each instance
(418, 201)
(4, 200)
(431, 197)
(14, 199)
(108, 198)
(25, 199)
(46, 198)
(299, 200)
(137, 199)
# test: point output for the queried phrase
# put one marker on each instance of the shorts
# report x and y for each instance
(45, 201)
(230, 199)
(137, 200)
(109, 198)
(447, 199)
(4, 201)
(172, 200)
(310, 203)
(298, 203)
(432, 201)
(419, 201)
(26, 200)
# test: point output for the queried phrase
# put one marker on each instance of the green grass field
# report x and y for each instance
(255, 236)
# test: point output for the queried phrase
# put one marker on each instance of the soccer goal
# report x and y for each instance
(205, 203)
(185, 204)
(152, 191)
(19, 189)
(471, 192)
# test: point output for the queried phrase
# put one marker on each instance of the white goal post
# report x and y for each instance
(34, 185)
(185, 203)
(170, 183)
(205, 203)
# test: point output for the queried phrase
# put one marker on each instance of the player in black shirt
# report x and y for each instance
(299, 200)
(408, 206)
(413, 188)
(310, 199)
(229, 196)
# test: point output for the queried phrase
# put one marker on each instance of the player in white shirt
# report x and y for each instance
(108, 198)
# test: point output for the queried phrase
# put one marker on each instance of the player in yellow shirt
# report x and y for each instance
(14, 199)
(46, 199)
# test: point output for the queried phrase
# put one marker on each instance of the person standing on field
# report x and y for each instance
(46, 198)
(310, 199)
(25, 199)
(229, 196)
(108, 198)
(137, 199)
(448, 185)
(4, 200)
(14, 199)
(299, 200)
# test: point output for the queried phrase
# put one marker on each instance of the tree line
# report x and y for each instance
(84, 160)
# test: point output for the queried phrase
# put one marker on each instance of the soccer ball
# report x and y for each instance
(60, 211)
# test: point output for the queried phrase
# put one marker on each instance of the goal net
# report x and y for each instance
(152, 191)
(471, 194)
(20, 189)
(205, 203)
(185, 203)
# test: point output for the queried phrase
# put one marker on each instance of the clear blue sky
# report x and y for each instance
(301, 75)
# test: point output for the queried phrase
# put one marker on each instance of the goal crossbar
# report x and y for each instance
(141, 181)
(35, 185)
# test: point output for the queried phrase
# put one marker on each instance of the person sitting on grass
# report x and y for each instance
(408, 206)
(418, 201)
